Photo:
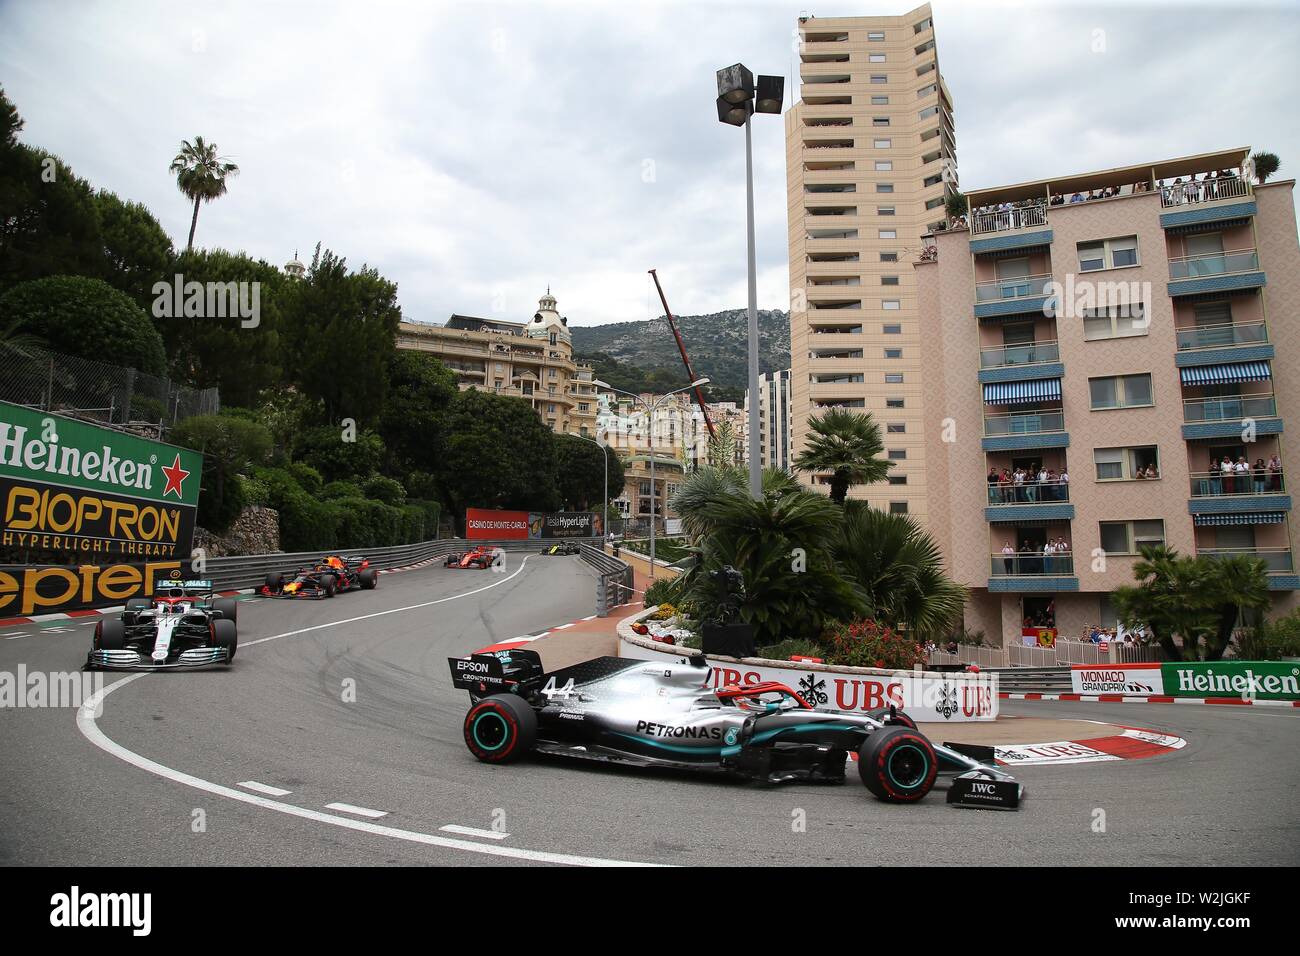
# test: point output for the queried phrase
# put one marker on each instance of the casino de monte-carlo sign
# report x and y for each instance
(90, 494)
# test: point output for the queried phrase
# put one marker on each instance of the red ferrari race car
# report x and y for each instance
(479, 557)
(327, 577)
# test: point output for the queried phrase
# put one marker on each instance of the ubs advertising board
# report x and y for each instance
(487, 525)
(98, 514)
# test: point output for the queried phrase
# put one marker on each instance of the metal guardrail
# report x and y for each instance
(250, 571)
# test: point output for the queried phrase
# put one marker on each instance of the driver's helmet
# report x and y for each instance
(335, 562)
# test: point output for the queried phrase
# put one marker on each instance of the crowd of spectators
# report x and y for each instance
(1035, 484)
(1228, 477)
(1203, 188)
(1050, 557)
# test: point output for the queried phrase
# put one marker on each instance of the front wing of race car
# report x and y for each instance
(129, 660)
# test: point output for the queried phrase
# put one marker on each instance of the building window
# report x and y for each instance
(884, 210)
(889, 280)
(550, 373)
(1130, 537)
(880, 101)
(1126, 464)
(893, 353)
(884, 187)
(883, 143)
(880, 121)
(550, 408)
(897, 479)
(583, 407)
(897, 454)
(898, 507)
(891, 329)
(893, 378)
(1115, 322)
(884, 165)
(879, 78)
(876, 58)
(889, 257)
(895, 403)
(875, 37)
(888, 233)
(1120, 391)
(1108, 254)
(896, 428)
(890, 305)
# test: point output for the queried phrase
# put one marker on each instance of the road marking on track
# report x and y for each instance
(474, 831)
(264, 788)
(89, 727)
(359, 811)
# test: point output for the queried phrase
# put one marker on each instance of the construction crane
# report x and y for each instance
(681, 347)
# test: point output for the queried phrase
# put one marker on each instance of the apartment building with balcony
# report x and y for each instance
(530, 360)
(1123, 328)
(774, 419)
(870, 157)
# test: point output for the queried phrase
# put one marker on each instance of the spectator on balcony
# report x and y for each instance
(1045, 487)
(1032, 562)
(1018, 485)
(1004, 481)
(1063, 549)
(1077, 197)
(1058, 200)
(1275, 473)
(995, 493)
(1241, 475)
(1260, 474)
(1049, 549)
(1063, 485)
(1216, 481)
(1228, 471)
(1008, 558)
(1151, 471)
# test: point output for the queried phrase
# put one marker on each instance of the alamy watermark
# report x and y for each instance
(41, 690)
(209, 300)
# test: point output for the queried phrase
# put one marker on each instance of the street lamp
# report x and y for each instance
(603, 446)
(739, 95)
(650, 409)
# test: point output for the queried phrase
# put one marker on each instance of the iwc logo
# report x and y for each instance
(731, 736)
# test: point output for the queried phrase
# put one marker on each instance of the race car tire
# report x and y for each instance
(369, 578)
(110, 635)
(227, 608)
(328, 584)
(899, 719)
(275, 582)
(452, 559)
(500, 728)
(897, 764)
(224, 634)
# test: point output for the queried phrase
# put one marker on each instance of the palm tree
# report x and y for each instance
(899, 567)
(708, 485)
(1266, 164)
(201, 175)
(847, 445)
(1169, 600)
(1237, 590)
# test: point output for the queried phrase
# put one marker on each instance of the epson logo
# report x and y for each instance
(478, 667)
(75, 909)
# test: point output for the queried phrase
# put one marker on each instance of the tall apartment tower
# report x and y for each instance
(774, 419)
(870, 156)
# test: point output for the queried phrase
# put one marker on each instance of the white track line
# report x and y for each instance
(263, 788)
(89, 728)
(474, 831)
(359, 811)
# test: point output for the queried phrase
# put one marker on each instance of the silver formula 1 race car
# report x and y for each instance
(642, 713)
(183, 625)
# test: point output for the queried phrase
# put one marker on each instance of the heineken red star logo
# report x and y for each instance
(176, 475)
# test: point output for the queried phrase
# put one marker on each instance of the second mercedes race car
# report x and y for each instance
(668, 714)
(327, 577)
(183, 625)
(479, 557)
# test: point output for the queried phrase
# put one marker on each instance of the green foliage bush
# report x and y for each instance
(324, 449)
(661, 591)
(230, 447)
(341, 489)
(323, 522)
(381, 488)
(1270, 640)
(864, 643)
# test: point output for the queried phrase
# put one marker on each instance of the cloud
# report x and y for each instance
(477, 152)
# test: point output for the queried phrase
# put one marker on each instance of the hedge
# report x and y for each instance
(309, 523)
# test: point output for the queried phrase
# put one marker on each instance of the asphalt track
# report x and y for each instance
(344, 721)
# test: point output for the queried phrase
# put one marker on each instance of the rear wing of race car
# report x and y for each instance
(193, 586)
(498, 672)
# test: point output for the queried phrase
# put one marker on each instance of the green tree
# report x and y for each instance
(420, 388)
(722, 445)
(580, 473)
(848, 445)
(10, 122)
(338, 453)
(1237, 591)
(1266, 164)
(899, 567)
(209, 351)
(137, 251)
(1169, 600)
(87, 318)
(498, 455)
(201, 175)
(955, 204)
(345, 325)
(49, 222)
(231, 446)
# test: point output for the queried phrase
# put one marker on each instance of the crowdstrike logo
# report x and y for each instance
(75, 909)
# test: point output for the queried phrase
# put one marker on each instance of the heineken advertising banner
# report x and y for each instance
(86, 502)
(1260, 680)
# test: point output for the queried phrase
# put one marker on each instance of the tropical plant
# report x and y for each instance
(848, 445)
(201, 175)
(1236, 594)
(1266, 164)
(706, 485)
(955, 205)
(1270, 640)
(868, 643)
(899, 568)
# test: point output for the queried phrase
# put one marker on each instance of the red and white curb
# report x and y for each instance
(1151, 699)
(527, 638)
(1133, 743)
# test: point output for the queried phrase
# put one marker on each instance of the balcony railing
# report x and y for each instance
(1214, 264)
(1024, 423)
(1031, 353)
(1031, 563)
(1028, 492)
(1278, 560)
(1207, 190)
(1222, 336)
(1216, 484)
(1229, 408)
(1020, 287)
(1002, 220)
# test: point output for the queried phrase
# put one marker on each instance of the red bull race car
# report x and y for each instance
(327, 577)
(479, 557)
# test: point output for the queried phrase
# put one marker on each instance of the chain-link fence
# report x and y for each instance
(93, 391)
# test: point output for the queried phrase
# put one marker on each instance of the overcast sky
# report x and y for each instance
(476, 152)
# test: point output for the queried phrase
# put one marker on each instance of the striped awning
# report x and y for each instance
(1226, 374)
(1240, 517)
(1015, 393)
